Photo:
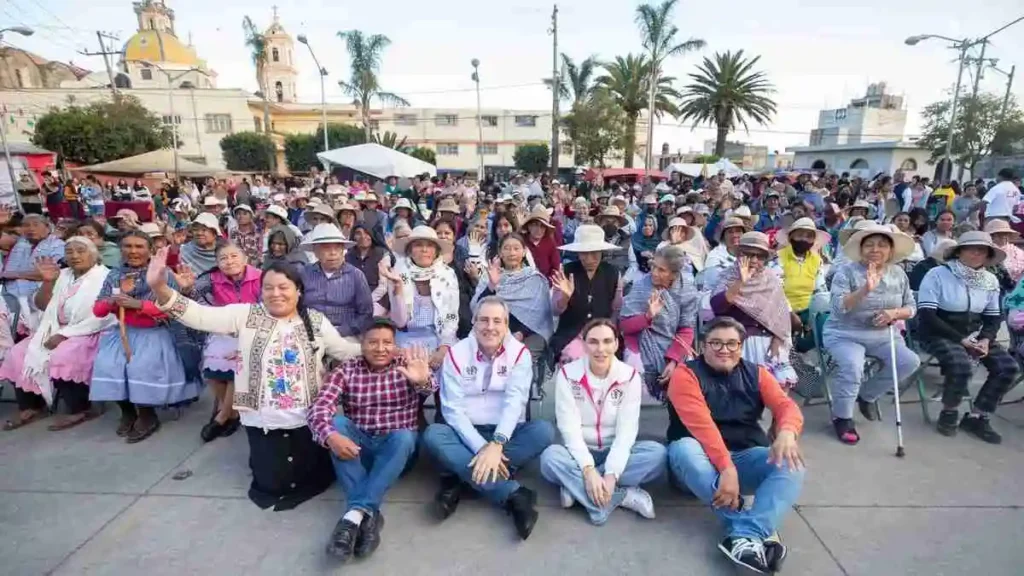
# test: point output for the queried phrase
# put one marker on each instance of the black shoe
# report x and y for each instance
(369, 534)
(774, 552)
(343, 539)
(981, 427)
(947, 422)
(211, 430)
(869, 410)
(746, 552)
(230, 427)
(447, 499)
(521, 506)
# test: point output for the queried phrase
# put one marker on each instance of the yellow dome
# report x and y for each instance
(156, 46)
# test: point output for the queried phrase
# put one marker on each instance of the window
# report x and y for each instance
(487, 149)
(257, 123)
(447, 149)
(446, 120)
(167, 119)
(526, 121)
(489, 121)
(374, 125)
(218, 123)
(859, 164)
(146, 74)
(275, 55)
(405, 119)
(279, 89)
(909, 165)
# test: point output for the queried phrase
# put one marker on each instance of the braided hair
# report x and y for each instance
(293, 276)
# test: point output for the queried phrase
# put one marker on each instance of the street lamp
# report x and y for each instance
(170, 101)
(323, 93)
(479, 121)
(24, 31)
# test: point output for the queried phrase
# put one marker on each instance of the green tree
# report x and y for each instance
(101, 131)
(365, 54)
(706, 159)
(426, 154)
(658, 34)
(596, 127)
(576, 83)
(390, 140)
(248, 151)
(726, 92)
(532, 158)
(974, 138)
(341, 135)
(300, 151)
(627, 80)
(256, 42)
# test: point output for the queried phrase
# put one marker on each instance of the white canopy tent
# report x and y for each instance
(377, 160)
(694, 170)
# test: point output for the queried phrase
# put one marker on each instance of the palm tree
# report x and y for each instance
(257, 44)
(390, 140)
(627, 80)
(727, 92)
(659, 40)
(576, 81)
(365, 55)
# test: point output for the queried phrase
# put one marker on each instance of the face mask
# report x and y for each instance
(801, 247)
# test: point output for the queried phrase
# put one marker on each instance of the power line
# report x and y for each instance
(55, 17)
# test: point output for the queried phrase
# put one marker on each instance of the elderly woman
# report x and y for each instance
(333, 286)
(281, 345)
(584, 289)
(960, 316)
(724, 255)
(524, 290)
(658, 318)
(200, 254)
(755, 297)
(283, 248)
(601, 465)
(138, 364)
(1005, 238)
(37, 241)
(248, 234)
(59, 355)
(465, 273)
(233, 281)
(424, 294)
(868, 295)
(943, 229)
(368, 255)
(110, 252)
(645, 241)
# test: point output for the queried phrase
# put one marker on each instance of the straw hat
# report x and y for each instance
(612, 212)
(742, 212)
(852, 225)
(127, 214)
(821, 238)
(538, 214)
(244, 207)
(277, 211)
(403, 203)
(730, 222)
(902, 245)
(940, 249)
(422, 232)
(207, 220)
(212, 200)
(323, 210)
(348, 207)
(325, 233)
(859, 204)
(589, 238)
(994, 227)
(369, 197)
(448, 205)
(977, 238)
(151, 229)
(688, 231)
(758, 241)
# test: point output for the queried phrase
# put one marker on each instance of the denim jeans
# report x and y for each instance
(527, 442)
(646, 463)
(775, 489)
(381, 460)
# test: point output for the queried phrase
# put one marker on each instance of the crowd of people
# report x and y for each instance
(707, 295)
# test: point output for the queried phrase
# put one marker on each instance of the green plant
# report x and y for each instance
(706, 159)
(532, 158)
(300, 151)
(725, 93)
(101, 131)
(390, 140)
(627, 80)
(576, 83)
(596, 127)
(980, 127)
(341, 135)
(248, 151)
(426, 154)
(365, 54)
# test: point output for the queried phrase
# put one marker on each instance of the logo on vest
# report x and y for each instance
(616, 396)
(471, 372)
(577, 390)
(502, 371)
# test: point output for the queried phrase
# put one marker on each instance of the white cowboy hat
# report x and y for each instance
(403, 203)
(902, 245)
(325, 233)
(821, 238)
(323, 210)
(151, 229)
(688, 231)
(977, 238)
(589, 238)
(245, 207)
(207, 220)
(277, 211)
(742, 212)
(422, 232)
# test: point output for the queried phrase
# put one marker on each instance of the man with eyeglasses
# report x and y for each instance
(720, 452)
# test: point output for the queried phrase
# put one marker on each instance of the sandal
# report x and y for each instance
(72, 421)
(19, 421)
(845, 431)
(138, 435)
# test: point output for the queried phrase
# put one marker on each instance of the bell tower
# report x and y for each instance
(280, 71)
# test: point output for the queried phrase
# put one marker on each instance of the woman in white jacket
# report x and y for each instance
(597, 408)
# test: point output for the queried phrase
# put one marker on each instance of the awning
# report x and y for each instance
(377, 160)
(156, 161)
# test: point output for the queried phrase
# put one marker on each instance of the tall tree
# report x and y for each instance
(365, 54)
(659, 40)
(248, 151)
(627, 80)
(596, 128)
(257, 44)
(532, 158)
(979, 125)
(576, 83)
(390, 139)
(727, 92)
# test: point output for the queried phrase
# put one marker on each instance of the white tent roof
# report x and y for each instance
(694, 170)
(377, 160)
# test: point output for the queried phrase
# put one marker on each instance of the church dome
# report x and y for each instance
(157, 46)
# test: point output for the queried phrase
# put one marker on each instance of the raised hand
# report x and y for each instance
(185, 277)
(416, 369)
(745, 269)
(874, 277)
(494, 273)
(47, 268)
(388, 273)
(565, 284)
(654, 304)
(476, 238)
(156, 274)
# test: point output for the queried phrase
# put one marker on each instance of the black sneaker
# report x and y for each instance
(447, 499)
(211, 430)
(947, 422)
(869, 410)
(746, 552)
(521, 506)
(343, 540)
(981, 427)
(369, 534)
(775, 552)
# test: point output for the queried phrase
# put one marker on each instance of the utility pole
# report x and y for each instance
(1006, 97)
(974, 99)
(556, 85)
(102, 37)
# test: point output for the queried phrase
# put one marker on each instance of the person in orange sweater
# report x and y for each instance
(720, 452)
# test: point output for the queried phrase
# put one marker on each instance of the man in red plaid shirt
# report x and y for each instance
(379, 393)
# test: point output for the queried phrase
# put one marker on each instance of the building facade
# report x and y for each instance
(746, 156)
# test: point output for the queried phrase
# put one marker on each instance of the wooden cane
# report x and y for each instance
(127, 285)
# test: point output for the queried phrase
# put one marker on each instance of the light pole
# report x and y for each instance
(479, 121)
(170, 102)
(24, 31)
(323, 93)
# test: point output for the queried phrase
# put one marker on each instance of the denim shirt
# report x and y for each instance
(893, 291)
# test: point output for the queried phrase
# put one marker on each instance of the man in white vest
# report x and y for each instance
(485, 387)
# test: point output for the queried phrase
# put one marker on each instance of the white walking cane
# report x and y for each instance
(896, 391)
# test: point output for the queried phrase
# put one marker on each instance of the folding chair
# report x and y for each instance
(1013, 347)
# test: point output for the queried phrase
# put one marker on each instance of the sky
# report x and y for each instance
(818, 54)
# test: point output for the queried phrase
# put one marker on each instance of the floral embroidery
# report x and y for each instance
(284, 372)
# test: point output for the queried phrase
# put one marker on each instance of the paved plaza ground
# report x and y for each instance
(84, 502)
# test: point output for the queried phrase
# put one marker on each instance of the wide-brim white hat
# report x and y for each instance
(422, 232)
(207, 220)
(902, 245)
(821, 238)
(403, 203)
(977, 238)
(277, 211)
(688, 231)
(325, 233)
(589, 238)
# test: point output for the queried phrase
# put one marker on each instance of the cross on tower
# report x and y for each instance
(274, 8)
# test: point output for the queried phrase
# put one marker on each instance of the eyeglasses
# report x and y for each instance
(731, 345)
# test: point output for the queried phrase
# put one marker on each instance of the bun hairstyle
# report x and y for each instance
(293, 276)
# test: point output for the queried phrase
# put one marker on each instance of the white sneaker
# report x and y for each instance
(639, 501)
(566, 498)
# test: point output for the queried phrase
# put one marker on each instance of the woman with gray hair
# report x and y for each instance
(658, 318)
(60, 354)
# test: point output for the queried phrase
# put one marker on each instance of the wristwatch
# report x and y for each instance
(499, 439)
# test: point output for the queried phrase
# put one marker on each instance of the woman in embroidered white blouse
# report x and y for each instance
(281, 349)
